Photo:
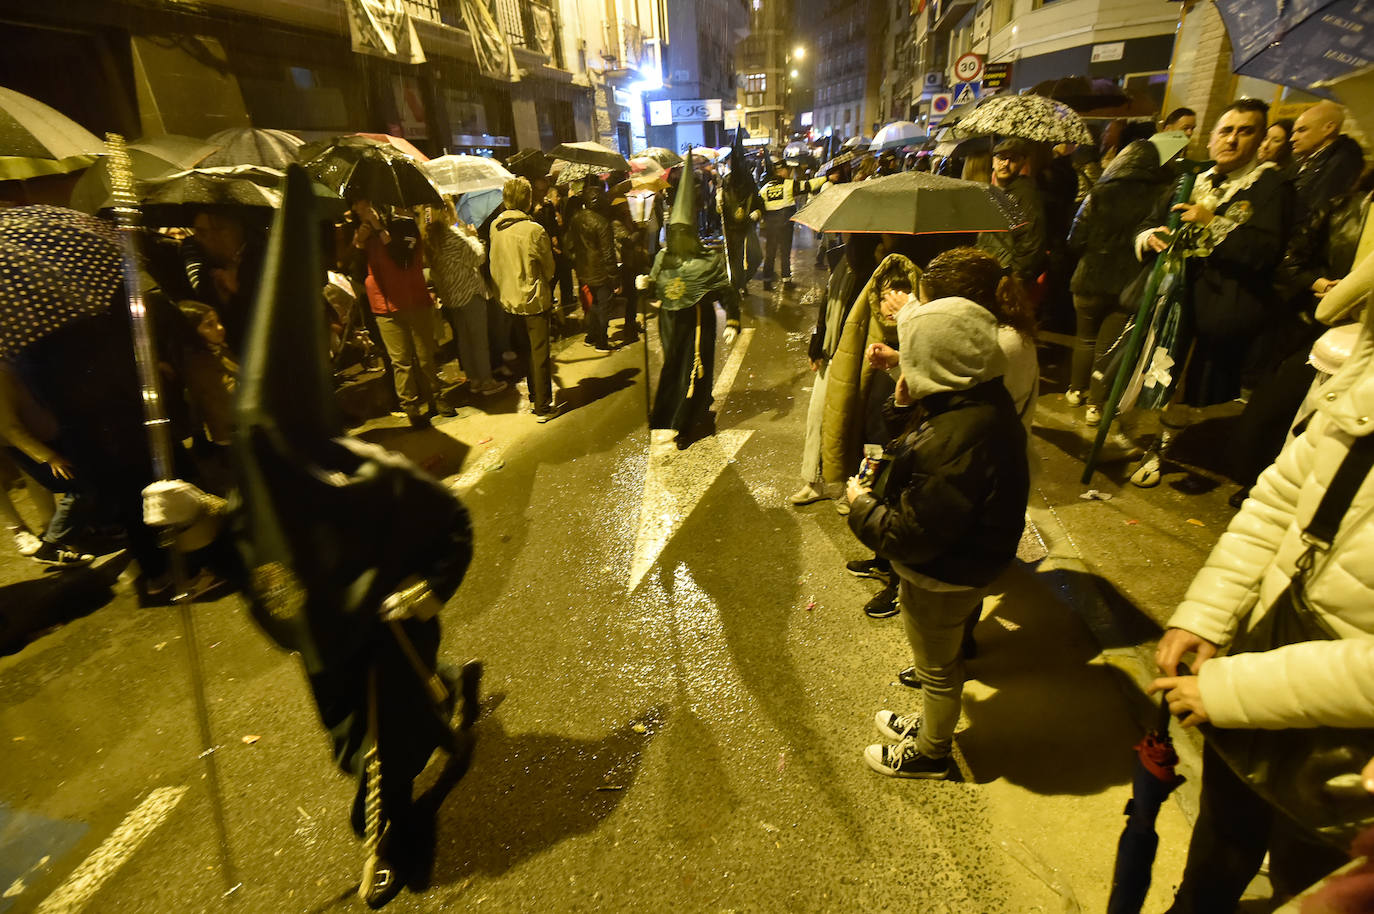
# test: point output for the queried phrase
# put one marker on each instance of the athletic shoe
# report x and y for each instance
(1148, 473)
(896, 727)
(904, 760)
(805, 495)
(1074, 397)
(908, 678)
(875, 568)
(546, 415)
(883, 605)
(26, 542)
(489, 388)
(446, 409)
(1093, 417)
(60, 556)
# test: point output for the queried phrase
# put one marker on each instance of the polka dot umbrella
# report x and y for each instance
(56, 266)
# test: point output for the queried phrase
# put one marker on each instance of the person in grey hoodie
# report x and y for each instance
(947, 510)
(522, 268)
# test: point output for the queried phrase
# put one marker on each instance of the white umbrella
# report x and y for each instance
(1030, 117)
(855, 141)
(463, 174)
(895, 135)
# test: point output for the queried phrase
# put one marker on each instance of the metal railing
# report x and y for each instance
(531, 24)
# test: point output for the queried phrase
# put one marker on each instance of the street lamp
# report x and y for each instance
(799, 52)
(793, 74)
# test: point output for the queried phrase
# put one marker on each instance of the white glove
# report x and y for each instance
(174, 503)
(642, 281)
(756, 215)
(730, 334)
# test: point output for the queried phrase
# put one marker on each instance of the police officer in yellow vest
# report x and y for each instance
(780, 193)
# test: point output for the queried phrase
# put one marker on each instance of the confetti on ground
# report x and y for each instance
(1132, 522)
(250, 739)
(1096, 495)
(486, 440)
(810, 606)
(1195, 522)
(639, 728)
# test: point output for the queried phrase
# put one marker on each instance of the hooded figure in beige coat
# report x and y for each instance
(1327, 683)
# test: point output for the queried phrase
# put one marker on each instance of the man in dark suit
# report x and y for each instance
(1235, 229)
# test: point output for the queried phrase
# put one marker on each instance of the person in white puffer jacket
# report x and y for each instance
(1310, 684)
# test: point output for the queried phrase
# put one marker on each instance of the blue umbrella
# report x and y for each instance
(475, 207)
(1155, 778)
(1299, 42)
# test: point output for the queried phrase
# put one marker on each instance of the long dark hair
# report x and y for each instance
(967, 272)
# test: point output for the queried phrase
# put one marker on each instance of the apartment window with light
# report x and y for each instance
(756, 82)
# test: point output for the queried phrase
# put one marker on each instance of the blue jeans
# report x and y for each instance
(934, 622)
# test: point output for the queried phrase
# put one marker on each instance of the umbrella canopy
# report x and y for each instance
(1082, 93)
(603, 157)
(373, 172)
(822, 206)
(708, 153)
(917, 203)
(1356, 92)
(60, 265)
(38, 140)
(856, 142)
(575, 171)
(843, 158)
(896, 135)
(529, 163)
(1030, 117)
(1299, 43)
(250, 146)
(461, 174)
(175, 198)
(475, 207)
(400, 144)
(150, 157)
(665, 157)
(647, 174)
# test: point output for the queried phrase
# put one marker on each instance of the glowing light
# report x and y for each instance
(799, 52)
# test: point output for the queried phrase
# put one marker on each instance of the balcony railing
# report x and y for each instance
(530, 24)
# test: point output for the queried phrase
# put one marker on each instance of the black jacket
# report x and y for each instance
(1021, 250)
(1232, 288)
(1323, 247)
(591, 243)
(952, 503)
(1327, 174)
(1103, 232)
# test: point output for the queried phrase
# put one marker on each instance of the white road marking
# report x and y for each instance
(114, 852)
(675, 481)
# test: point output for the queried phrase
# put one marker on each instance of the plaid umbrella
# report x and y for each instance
(665, 157)
(250, 146)
(1030, 117)
(38, 140)
(60, 266)
(370, 171)
(603, 157)
(462, 174)
(914, 203)
(842, 159)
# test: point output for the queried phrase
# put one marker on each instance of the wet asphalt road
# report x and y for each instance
(679, 686)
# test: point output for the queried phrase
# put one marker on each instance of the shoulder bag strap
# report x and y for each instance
(1350, 475)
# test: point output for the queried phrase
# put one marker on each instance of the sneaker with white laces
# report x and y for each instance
(25, 542)
(60, 556)
(896, 726)
(875, 568)
(904, 760)
(1093, 417)
(1075, 397)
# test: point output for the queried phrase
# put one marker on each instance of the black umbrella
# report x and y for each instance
(175, 198)
(367, 171)
(529, 163)
(60, 266)
(591, 154)
(250, 146)
(916, 203)
(1155, 779)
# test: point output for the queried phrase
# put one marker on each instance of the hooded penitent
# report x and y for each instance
(947, 345)
(329, 526)
(741, 183)
(685, 271)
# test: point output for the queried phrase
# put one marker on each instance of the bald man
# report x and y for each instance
(1329, 162)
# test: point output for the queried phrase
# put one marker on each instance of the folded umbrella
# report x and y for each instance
(375, 172)
(38, 140)
(895, 135)
(918, 203)
(60, 266)
(1155, 778)
(251, 146)
(1299, 43)
(462, 174)
(603, 157)
(1029, 117)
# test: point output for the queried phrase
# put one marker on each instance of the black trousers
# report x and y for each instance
(778, 226)
(1235, 826)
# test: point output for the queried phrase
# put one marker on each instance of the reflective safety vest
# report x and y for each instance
(780, 195)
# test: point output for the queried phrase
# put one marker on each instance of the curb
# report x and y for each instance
(1073, 577)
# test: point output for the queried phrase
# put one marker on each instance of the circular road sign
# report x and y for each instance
(968, 67)
(940, 104)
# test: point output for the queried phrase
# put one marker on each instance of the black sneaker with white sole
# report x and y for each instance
(60, 556)
(904, 760)
(875, 568)
(896, 726)
(883, 605)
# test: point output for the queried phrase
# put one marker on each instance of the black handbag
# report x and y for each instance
(1310, 775)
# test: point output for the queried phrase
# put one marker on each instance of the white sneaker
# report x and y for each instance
(26, 542)
(1074, 397)
(1147, 474)
(663, 435)
(1093, 417)
(805, 495)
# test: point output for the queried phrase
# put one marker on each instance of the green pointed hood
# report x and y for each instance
(682, 222)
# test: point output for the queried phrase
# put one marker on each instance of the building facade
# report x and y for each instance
(763, 62)
(699, 74)
(847, 68)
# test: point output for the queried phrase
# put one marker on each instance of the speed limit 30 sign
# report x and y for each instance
(968, 67)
